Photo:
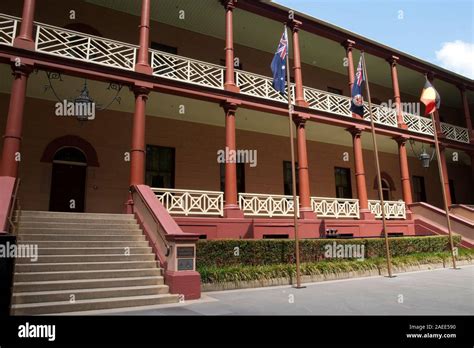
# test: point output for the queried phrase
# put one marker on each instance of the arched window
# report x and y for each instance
(386, 190)
(70, 155)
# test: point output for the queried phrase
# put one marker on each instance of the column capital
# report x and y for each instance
(401, 139)
(348, 44)
(430, 76)
(140, 90)
(230, 105)
(462, 87)
(355, 130)
(229, 5)
(294, 25)
(299, 119)
(393, 60)
(22, 70)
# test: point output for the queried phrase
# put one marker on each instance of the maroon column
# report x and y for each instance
(231, 207)
(444, 167)
(396, 91)
(404, 169)
(25, 37)
(299, 94)
(229, 84)
(467, 114)
(360, 174)
(303, 173)
(12, 137)
(143, 65)
(137, 152)
(349, 45)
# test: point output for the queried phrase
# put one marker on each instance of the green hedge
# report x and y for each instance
(281, 251)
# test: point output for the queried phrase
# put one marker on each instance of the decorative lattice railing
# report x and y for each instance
(8, 27)
(97, 50)
(187, 70)
(191, 202)
(335, 207)
(393, 209)
(254, 204)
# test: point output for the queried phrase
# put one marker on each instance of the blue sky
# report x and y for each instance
(438, 31)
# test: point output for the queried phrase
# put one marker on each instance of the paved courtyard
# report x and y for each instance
(437, 292)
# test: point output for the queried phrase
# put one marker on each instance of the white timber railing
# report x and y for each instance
(254, 204)
(393, 209)
(191, 202)
(8, 27)
(335, 207)
(97, 50)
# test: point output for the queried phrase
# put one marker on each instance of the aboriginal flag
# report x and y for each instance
(430, 97)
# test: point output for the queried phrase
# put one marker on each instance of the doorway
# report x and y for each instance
(68, 181)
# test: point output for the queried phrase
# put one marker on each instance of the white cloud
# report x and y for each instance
(457, 56)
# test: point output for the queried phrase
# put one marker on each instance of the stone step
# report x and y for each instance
(86, 294)
(30, 238)
(92, 304)
(77, 226)
(85, 220)
(56, 214)
(82, 244)
(30, 230)
(78, 266)
(20, 287)
(99, 250)
(96, 274)
(88, 258)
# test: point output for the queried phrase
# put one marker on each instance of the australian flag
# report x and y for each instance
(357, 100)
(279, 65)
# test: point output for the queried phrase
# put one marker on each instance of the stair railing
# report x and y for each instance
(14, 205)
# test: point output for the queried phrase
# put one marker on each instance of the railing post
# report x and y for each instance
(299, 95)
(303, 174)
(404, 170)
(12, 138)
(143, 64)
(231, 206)
(364, 210)
(229, 84)
(25, 37)
(349, 45)
(467, 114)
(396, 91)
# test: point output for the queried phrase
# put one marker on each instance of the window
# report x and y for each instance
(334, 90)
(452, 191)
(163, 48)
(419, 188)
(386, 190)
(240, 177)
(160, 164)
(287, 182)
(343, 182)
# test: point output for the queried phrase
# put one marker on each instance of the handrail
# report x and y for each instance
(13, 203)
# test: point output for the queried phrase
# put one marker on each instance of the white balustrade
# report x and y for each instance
(79, 46)
(455, 133)
(418, 124)
(187, 70)
(326, 207)
(328, 102)
(382, 115)
(8, 27)
(393, 209)
(253, 204)
(191, 202)
(259, 86)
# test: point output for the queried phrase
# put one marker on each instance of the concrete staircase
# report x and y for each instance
(85, 262)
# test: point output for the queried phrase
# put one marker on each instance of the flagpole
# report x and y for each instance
(293, 170)
(443, 189)
(377, 164)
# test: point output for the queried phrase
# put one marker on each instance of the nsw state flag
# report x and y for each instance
(279, 64)
(357, 100)
(430, 97)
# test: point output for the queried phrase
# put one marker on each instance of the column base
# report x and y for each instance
(231, 87)
(402, 126)
(365, 214)
(233, 212)
(143, 69)
(24, 43)
(307, 214)
(302, 103)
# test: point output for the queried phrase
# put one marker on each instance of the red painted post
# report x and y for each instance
(303, 174)
(467, 114)
(25, 37)
(299, 94)
(143, 65)
(349, 45)
(231, 207)
(365, 213)
(137, 153)
(404, 169)
(396, 91)
(444, 167)
(229, 83)
(12, 137)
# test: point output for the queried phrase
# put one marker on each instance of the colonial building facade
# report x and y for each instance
(194, 80)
